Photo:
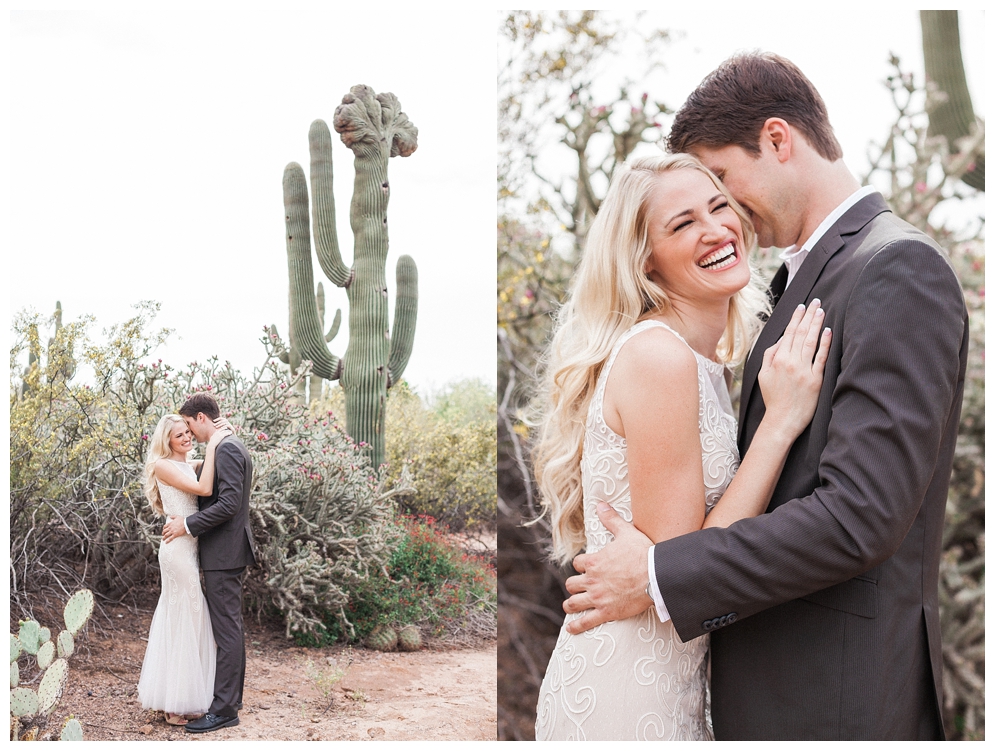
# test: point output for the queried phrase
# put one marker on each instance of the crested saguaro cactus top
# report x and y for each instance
(374, 128)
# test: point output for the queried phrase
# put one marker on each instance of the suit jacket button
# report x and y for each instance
(723, 621)
(707, 625)
(732, 617)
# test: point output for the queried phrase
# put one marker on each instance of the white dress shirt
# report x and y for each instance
(793, 258)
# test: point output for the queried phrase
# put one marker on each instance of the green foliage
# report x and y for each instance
(322, 518)
(428, 581)
(448, 447)
(464, 402)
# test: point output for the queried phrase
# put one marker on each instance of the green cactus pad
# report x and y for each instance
(46, 653)
(15, 675)
(67, 645)
(78, 610)
(71, 730)
(23, 702)
(15, 648)
(52, 683)
(382, 639)
(44, 634)
(29, 635)
(409, 638)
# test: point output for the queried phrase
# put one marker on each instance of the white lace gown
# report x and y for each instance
(635, 679)
(178, 670)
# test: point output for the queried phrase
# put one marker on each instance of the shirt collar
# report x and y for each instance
(793, 256)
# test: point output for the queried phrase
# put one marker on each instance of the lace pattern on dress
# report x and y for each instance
(635, 679)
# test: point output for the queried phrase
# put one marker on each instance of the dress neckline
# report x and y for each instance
(710, 364)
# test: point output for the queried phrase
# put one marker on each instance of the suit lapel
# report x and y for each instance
(800, 288)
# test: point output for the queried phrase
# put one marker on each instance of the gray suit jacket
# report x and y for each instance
(221, 526)
(824, 611)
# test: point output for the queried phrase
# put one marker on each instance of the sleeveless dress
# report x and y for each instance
(178, 670)
(635, 679)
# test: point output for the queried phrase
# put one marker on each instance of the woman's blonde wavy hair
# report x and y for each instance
(609, 294)
(158, 449)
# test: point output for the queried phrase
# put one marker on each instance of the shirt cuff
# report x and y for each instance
(661, 608)
(188, 532)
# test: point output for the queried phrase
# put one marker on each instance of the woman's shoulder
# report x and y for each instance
(655, 347)
(169, 467)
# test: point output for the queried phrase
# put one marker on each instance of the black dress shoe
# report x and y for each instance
(210, 722)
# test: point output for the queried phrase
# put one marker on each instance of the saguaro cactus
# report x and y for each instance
(945, 66)
(292, 355)
(373, 126)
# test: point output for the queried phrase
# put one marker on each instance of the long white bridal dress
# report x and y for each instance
(178, 670)
(635, 679)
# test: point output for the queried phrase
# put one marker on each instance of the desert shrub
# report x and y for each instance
(428, 581)
(78, 515)
(448, 446)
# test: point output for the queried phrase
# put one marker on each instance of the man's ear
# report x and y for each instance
(778, 136)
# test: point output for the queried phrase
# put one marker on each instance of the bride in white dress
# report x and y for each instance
(638, 415)
(178, 671)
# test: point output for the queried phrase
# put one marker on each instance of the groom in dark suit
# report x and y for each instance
(224, 537)
(824, 611)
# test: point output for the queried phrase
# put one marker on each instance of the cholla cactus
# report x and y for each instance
(34, 639)
(373, 126)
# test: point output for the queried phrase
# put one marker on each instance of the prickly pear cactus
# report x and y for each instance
(34, 639)
(78, 610)
(373, 126)
(23, 702)
(409, 638)
(382, 639)
(29, 635)
(51, 686)
(71, 730)
(66, 644)
(46, 653)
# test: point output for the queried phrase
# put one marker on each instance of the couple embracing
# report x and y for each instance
(789, 562)
(194, 667)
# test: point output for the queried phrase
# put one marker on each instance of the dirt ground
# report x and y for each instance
(294, 693)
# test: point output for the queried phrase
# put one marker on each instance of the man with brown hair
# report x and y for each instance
(226, 546)
(824, 611)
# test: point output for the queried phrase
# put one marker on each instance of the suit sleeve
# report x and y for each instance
(900, 371)
(229, 472)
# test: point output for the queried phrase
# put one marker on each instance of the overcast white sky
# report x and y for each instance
(146, 161)
(843, 52)
(147, 151)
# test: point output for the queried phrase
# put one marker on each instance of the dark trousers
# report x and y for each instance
(224, 599)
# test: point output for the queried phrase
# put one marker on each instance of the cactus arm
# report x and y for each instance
(333, 330)
(945, 66)
(305, 328)
(405, 317)
(326, 243)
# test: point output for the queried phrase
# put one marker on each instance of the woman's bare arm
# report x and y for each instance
(651, 399)
(170, 474)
